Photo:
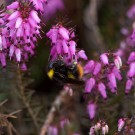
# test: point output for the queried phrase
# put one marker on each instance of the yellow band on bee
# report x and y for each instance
(50, 73)
(70, 75)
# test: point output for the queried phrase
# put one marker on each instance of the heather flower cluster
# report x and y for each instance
(64, 45)
(3, 45)
(126, 51)
(126, 126)
(62, 125)
(20, 29)
(99, 128)
(103, 74)
(23, 28)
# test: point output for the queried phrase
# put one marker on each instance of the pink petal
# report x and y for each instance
(81, 54)
(64, 33)
(35, 17)
(112, 79)
(88, 68)
(102, 90)
(91, 108)
(14, 15)
(121, 124)
(72, 47)
(97, 68)
(13, 5)
(18, 54)
(11, 51)
(65, 47)
(104, 58)
(18, 22)
(131, 57)
(89, 85)
(3, 59)
(131, 71)
(129, 85)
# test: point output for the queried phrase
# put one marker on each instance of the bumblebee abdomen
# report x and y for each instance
(80, 71)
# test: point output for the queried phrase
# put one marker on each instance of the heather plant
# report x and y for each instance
(86, 94)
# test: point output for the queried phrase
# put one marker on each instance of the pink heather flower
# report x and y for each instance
(102, 90)
(101, 73)
(52, 7)
(72, 48)
(131, 71)
(131, 12)
(111, 87)
(100, 128)
(112, 79)
(121, 124)
(3, 59)
(63, 45)
(97, 68)
(131, 57)
(89, 85)
(81, 54)
(92, 131)
(88, 68)
(52, 130)
(129, 85)
(39, 4)
(3, 34)
(104, 59)
(126, 126)
(117, 73)
(23, 29)
(65, 34)
(18, 54)
(14, 5)
(91, 108)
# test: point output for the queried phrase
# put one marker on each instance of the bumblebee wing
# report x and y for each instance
(59, 76)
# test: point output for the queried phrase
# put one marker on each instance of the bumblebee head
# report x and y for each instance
(50, 73)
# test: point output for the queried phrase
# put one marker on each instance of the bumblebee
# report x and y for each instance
(59, 71)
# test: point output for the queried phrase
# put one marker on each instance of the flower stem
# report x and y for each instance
(24, 99)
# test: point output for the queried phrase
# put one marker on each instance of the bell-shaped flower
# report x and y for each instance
(97, 68)
(104, 59)
(131, 71)
(90, 83)
(112, 79)
(131, 57)
(89, 67)
(129, 85)
(102, 90)
(91, 108)
(121, 124)
(81, 54)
